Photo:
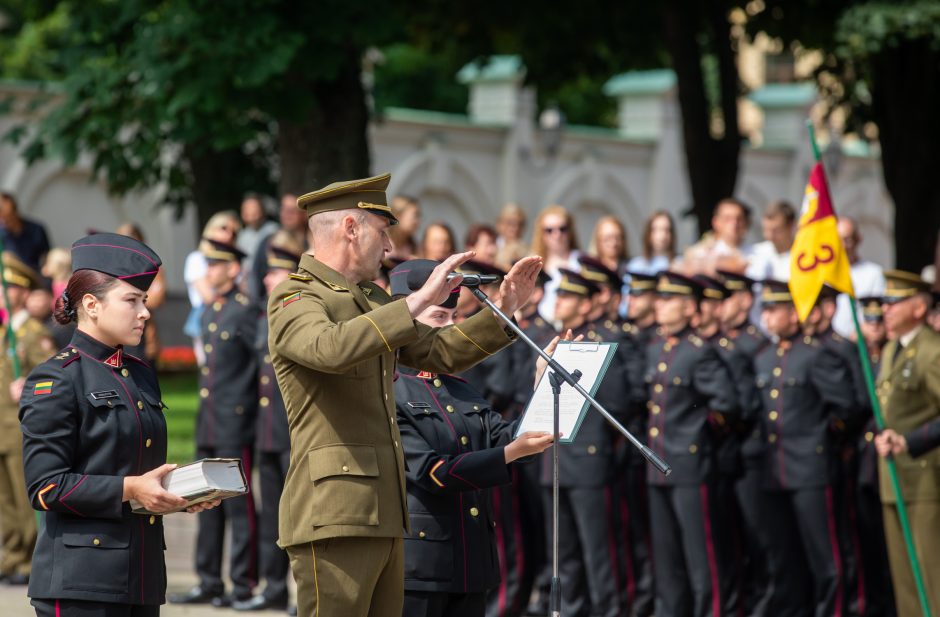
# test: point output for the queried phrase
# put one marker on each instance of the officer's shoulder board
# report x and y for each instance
(66, 356)
(297, 276)
(837, 337)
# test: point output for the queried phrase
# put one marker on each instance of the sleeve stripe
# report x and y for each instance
(42, 502)
(457, 328)
(433, 469)
(384, 340)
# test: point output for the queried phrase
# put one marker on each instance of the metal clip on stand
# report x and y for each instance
(558, 376)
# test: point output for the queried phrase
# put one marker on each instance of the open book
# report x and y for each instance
(203, 480)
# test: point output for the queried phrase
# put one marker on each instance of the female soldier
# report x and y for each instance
(456, 447)
(94, 437)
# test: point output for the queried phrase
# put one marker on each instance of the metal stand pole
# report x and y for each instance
(555, 598)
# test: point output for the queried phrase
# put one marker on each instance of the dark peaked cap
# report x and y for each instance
(417, 271)
(119, 256)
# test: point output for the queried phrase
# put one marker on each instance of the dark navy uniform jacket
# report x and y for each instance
(690, 389)
(804, 388)
(452, 440)
(748, 340)
(272, 431)
(90, 416)
(228, 383)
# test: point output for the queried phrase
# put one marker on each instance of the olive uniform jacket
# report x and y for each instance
(33, 347)
(335, 346)
(90, 416)
(909, 390)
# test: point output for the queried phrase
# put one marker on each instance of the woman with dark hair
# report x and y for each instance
(659, 245)
(94, 438)
(438, 242)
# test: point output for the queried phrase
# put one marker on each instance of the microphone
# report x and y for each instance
(417, 279)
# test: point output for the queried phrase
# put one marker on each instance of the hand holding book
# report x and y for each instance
(194, 487)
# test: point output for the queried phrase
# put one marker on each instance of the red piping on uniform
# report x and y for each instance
(62, 499)
(627, 546)
(57, 612)
(710, 551)
(834, 542)
(140, 429)
(112, 246)
(463, 538)
(443, 413)
(501, 554)
(454, 466)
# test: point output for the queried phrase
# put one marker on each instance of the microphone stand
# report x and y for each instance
(557, 377)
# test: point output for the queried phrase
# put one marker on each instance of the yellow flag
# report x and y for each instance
(817, 255)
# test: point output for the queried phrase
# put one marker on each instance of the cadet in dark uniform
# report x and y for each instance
(272, 443)
(587, 544)
(33, 346)
(94, 437)
(804, 388)
(690, 389)
(225, 428)
(456, 447)
(748, 341)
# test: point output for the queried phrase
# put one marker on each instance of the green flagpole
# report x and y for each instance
(880, 422)
(10, 334)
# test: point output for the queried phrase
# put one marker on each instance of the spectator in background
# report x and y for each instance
(481, 238)
(438, 242)
(58, 269)
(609, 244)
(256, 227)
(24, 238)
(149, 347)
(724, 247)
(867, 278)
(407, 210)
(555, 241)
(294, 221)
(659, 245)
(221, 227)
(511, 227)
(771, 259)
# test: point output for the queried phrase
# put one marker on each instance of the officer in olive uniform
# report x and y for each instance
(455, 444)
(335, 340)
(272, 444)
(909, 392)
(804, 389)
(748, 341)
(91, 416)
(587, 541)
(225, 428)
(690, 389)
(33, 347)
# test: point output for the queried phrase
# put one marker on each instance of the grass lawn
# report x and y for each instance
(181, 397)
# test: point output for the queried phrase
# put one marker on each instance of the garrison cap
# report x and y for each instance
(15, 272)
(213, 250)
(712, 289)
(735, 281)
(641, 283)
(367, 194)
(416, 270)
(675, 284)
(594, 270)
(775, 292)
(573, 283)
(281, 258)
(871, 308)
(901, 285)
(119, 256)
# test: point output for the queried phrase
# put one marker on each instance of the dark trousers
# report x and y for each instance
(272, 471)
(879, 592)
(636, 570)
(586, 551)
(84, 608)
(443, 604)
(239, 513)
(805, 560)
(755, 580)
(513, 545)
(690, 552)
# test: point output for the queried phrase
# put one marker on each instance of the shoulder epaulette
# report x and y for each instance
(136, 359)
(837, 337)
(300, 277)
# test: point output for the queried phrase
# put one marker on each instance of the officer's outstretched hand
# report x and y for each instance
(437, 288)
(517, 285)
(541, 364)
(149, 492)
(527, 444)
(888, 443)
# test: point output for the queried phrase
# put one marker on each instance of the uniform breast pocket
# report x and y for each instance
(345, 485)
(429, 552)
(95, 555)
(105, 400)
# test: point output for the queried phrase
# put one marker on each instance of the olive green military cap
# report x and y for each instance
(901, 285)
(366, 194)
(15, 272)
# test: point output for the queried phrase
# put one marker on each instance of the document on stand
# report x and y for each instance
(592, 359)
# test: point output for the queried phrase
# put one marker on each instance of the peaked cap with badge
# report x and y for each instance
(402, 279)
(901, 285)
(573, 283)
(366, 194)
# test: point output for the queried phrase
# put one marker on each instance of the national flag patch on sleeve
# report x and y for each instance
(291, 298)
(43, 387)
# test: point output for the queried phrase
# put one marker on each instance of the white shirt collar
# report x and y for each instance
(907, 338)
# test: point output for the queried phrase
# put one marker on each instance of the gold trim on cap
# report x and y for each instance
(368, 206)
(776, 296)
(642, 285)
(735, 285)
(593, 276)
(566, 285)
(219, 255)
(713, 294)
(283, 264)
(17, 279)
(897, 293)
(671, 288)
